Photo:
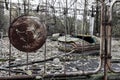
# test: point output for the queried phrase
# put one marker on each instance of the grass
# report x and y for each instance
(3, 60)
(6, 59)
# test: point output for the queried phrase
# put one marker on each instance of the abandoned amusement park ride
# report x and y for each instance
(61, 55)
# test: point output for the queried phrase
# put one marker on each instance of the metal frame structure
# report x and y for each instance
(105, 45)
(109, 46)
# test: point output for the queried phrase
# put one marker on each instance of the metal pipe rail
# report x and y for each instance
(110, 36)
(105, 54)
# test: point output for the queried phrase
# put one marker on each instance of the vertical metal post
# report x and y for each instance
(105, 52)
(45, 56)
(45, 42)
(84, 31)
(9, 41)
(109, 36)
(102, 33)
(66, 31)
(104, 46)
(27, 56)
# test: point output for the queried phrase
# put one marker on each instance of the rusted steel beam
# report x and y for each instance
(103, 46)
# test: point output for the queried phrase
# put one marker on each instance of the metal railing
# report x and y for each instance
(104, 57)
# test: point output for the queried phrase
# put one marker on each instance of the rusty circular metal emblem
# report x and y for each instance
(27, 33)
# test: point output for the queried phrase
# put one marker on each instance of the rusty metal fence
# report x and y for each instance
(49, 62)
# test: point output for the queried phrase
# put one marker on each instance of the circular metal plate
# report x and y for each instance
(27, 33)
